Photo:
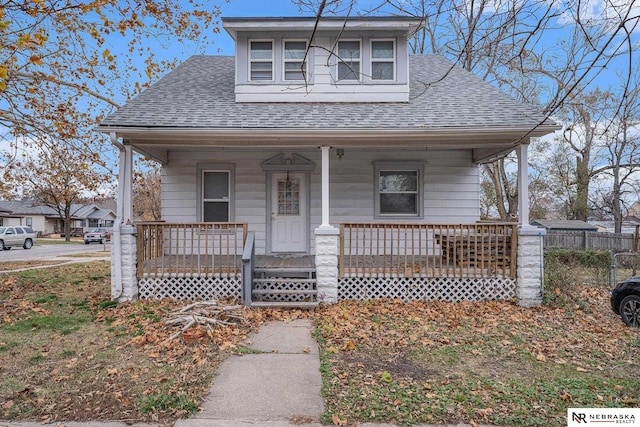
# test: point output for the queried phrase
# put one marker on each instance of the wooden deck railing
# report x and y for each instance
(166, 249)
(428, 250)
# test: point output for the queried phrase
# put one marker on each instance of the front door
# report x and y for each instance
(289, 212)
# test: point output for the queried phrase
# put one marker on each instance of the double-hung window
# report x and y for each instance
(383, 60)
(295, 67)
(216, 189)
(349, 58)
(398, 189)
(261, 60)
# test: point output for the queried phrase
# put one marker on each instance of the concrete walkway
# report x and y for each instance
(277, 385)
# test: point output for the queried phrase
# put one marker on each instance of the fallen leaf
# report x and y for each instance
(541, 357)
(306, 350)
(337, 421)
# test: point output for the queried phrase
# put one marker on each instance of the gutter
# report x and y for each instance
(116, 250)
(424, 136)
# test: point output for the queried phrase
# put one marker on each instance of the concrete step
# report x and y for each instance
(286, 304)
(268, 280)
(284, 292)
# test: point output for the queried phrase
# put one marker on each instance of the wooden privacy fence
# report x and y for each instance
(616, 242)
(428, 250)
(196, 249)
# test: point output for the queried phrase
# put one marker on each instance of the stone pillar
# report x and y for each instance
(530, 266)
(127, 288)
(327, 263)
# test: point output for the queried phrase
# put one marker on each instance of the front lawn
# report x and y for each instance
(485, 363)
(68, 353)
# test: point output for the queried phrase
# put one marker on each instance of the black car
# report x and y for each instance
(625, 301)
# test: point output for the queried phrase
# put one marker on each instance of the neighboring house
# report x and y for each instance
(26, 212)
(346, 171)
(564, 225)
(45, 220)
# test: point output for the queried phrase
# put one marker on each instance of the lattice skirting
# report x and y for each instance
(288, 291)
(190, 288)
(443, 289)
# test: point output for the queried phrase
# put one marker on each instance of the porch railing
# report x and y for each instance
(203, 249)
(428, 250)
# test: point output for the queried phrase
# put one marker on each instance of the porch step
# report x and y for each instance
(284, 292)
(284, 286)
(283, 280)
(285, 304)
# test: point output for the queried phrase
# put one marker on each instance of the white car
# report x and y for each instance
(16, 235)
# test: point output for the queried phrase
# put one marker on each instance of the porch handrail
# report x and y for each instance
(180, 249)
(248, 262)
(428, 250)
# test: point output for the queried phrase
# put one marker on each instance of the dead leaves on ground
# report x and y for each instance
(382, 349)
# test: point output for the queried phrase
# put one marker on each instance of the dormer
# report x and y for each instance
(351, 59)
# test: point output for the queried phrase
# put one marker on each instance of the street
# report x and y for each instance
(46, 251)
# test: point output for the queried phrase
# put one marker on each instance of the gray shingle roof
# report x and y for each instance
(200, 94)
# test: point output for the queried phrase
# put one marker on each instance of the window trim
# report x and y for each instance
(215, 167)
(400, 166)
(285, 61)
(383, 60)
(251, 60)
(339, 60)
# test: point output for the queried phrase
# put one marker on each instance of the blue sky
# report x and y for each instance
(248, 8)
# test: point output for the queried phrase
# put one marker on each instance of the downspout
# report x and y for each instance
(116, 250)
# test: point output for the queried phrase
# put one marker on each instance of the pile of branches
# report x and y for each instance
(204, 315)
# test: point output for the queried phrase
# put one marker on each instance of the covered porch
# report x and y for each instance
(346, 260)
(374, 260)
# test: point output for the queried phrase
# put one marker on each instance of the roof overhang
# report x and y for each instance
(407, 24)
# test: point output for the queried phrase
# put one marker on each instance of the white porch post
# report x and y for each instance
(530, 274)
(124, 281)
(127, 199)
(523, 184)
(325, 187)
(327, 243)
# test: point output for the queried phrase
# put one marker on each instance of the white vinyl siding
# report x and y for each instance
(449, 196)
(383, 60)
(294, 64)
(261, 60)
(349, 60)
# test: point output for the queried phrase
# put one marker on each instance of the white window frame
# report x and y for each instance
(399, 166)
(230, 170)
(259, 60)
(340, 59)
(385, 60)
(285, 60)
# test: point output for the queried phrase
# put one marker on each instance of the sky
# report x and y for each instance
(251, 8)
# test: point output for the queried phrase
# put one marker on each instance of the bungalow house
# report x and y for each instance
(45, 220)
(320, 164)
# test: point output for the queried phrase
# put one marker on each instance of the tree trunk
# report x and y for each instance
(581, 205)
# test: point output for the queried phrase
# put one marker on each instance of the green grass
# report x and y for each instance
(62, 324)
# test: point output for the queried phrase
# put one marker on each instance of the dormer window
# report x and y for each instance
(261, 60)
(295, 67)
(349, 54)
(383, 60)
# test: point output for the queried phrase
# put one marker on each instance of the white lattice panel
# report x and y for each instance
(443, 289)
(190, 288)
(278, 284)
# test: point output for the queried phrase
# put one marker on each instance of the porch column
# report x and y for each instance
(127, 196)
(325, 187)
(124, 281)
(530, 274)
(327, 243)
(523, 184)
